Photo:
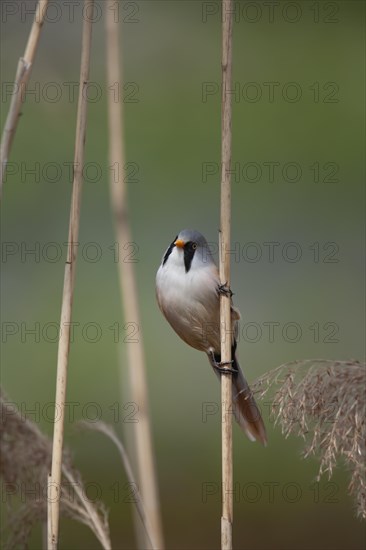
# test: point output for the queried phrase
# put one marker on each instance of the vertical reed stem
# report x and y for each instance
(69, 279)
(135, 350)
(225, 312)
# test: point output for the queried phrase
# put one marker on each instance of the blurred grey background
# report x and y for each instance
(297, 234)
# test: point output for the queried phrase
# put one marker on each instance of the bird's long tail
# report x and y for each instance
(246, 411)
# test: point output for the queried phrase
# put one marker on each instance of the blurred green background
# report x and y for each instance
(298, 104)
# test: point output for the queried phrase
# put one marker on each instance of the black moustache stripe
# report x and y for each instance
(188, 255)
(169, 251)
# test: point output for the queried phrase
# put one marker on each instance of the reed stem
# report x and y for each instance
(69, 281)
(225, 301)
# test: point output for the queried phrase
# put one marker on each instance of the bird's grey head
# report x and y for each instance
(189, 249)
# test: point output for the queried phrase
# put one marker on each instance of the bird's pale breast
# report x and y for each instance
(190, 303)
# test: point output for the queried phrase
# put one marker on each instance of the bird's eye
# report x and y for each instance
(194, 246)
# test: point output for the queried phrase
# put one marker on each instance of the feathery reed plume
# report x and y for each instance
(110, 433)
(324, 402)
(129, 293)
(21, 80)
(225, 302)
(25, 462)
(69, 278)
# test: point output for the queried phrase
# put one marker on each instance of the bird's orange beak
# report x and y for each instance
(179, 243)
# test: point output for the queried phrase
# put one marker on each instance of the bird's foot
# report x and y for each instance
(225, 367)
(225, 290)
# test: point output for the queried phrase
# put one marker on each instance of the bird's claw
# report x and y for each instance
(223, 367)
(225, 291)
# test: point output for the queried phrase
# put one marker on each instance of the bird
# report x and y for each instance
(188, 289)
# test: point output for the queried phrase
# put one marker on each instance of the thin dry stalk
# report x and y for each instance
(324, 402)
(69, 277)
(225, 303)
(91, 512)
(21, 80)
(109, 432)
(26, 459)
(49, 512)
(135, 351)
